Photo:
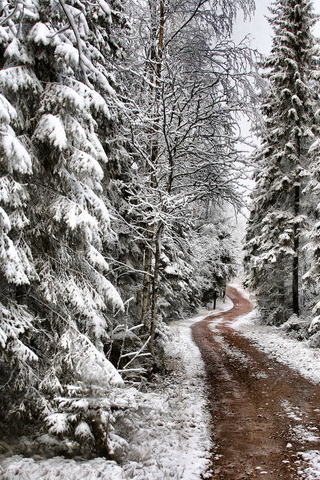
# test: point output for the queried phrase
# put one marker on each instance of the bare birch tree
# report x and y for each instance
(189, 82)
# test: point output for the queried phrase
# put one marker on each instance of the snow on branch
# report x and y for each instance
(73, 25)
(51, 129)
(136, 354)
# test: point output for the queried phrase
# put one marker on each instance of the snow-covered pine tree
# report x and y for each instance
(273, 241)
(58, 106)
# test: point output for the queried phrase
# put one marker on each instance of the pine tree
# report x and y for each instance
(273, 243)
(58, 109)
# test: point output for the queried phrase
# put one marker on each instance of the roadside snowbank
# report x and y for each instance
(277, 344)
(312, 472)
(169, 426)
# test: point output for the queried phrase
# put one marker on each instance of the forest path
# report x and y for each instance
(263, 413)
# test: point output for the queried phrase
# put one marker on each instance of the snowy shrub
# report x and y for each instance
(296, 327)
(314, 325)
(314, 340)
(275, 316)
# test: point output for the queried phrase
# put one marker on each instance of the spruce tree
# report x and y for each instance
(273, 242)
(58, 109)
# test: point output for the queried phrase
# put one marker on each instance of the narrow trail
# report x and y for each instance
(263, 413)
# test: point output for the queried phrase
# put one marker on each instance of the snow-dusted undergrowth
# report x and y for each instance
(167, 429)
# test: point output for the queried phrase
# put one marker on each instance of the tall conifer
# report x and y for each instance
(273, 243)
(57, 107)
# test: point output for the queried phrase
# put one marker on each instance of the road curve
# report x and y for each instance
(263, 413)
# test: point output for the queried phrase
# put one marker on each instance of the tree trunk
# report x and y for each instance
(296, 242)
(156, 55)
(147, 279)
(155, 287)
(214, 300)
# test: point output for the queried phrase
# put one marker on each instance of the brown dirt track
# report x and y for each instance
(248, 395)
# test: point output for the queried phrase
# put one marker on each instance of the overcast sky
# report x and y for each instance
(258, 28)
(260, 32)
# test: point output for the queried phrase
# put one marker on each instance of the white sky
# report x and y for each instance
(260, 33)
(258, 28)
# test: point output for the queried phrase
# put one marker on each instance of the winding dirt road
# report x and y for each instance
(263, 413)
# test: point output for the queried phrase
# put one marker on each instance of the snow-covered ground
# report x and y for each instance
(277, 344)
(170, 426)
(275, 341)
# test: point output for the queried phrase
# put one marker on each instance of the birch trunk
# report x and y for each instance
(156, 57)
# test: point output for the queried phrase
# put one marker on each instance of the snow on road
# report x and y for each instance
(296, 354)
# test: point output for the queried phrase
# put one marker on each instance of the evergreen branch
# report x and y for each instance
(72, 23)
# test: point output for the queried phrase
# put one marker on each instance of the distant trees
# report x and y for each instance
(216, 255)
(280, 210)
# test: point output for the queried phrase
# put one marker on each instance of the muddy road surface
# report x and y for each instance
(264, 415)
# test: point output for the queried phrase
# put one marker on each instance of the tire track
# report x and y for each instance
(263, 413)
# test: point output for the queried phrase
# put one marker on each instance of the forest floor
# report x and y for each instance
(263, 420)
(166, 426)
(265, 415)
